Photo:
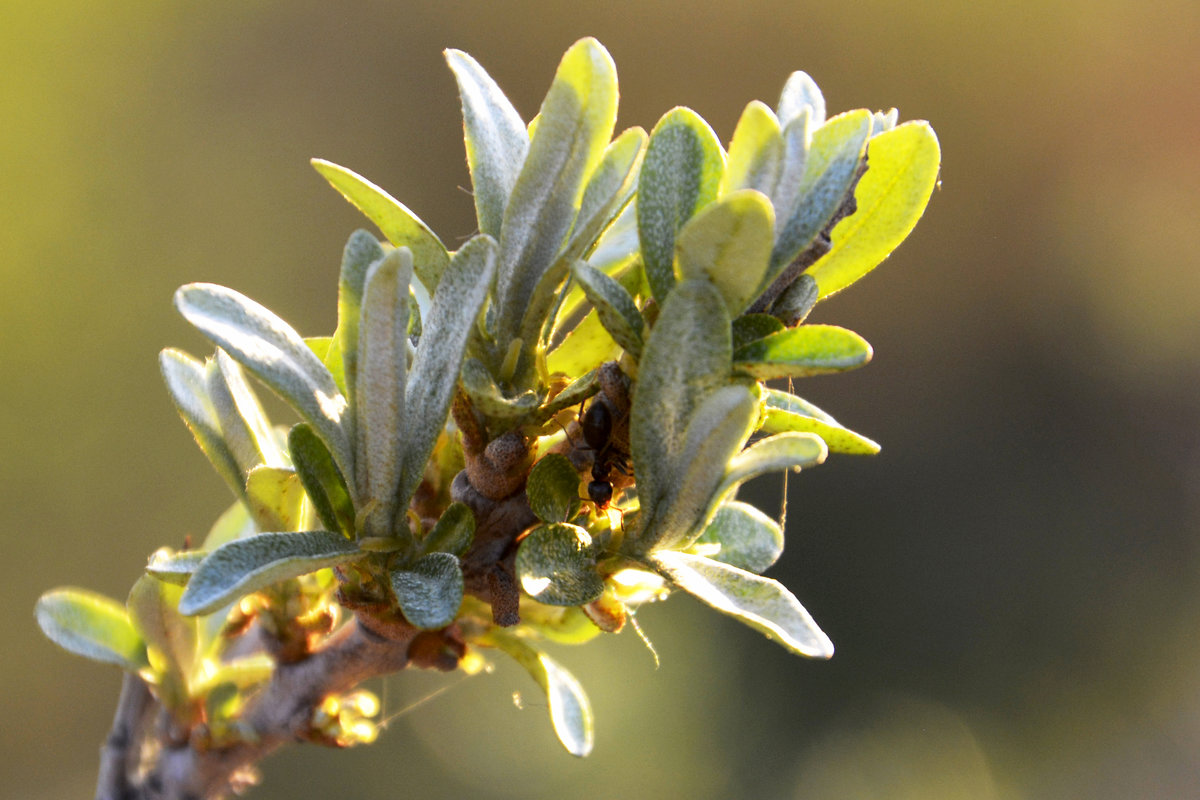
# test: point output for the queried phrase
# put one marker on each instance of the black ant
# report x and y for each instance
(597, 426)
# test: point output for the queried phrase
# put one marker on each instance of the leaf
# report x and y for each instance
(680, 175)
(553, 489)
(244, 424)
(362, 250)
(570, 711)
(694, 322)
(575, 393)
(234, 523)
(400, 226)
(752, 327)
(716, 432)
(439, 356)
(267, 346)
(186, 384)
(430, 591)
(617, 312)
(587, 346)
(803, 351)
(748, 538)
(729, 243)
(495, 136)
(171, 638)
(793, 306)
(755, 152)
(830, 172)
(489, 399)
(243, 673)
(171, 567)
(782, 451)
(555, 565)
(323, 483)
(891, 196)
(761, 603)
(575, 124)
(839, 439)
(801, 92)
(274, 495)
(453, 531)
(246, 565)
(91, 625)
(609, 188)
(382, 373)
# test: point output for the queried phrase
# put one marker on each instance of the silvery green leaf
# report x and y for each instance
(796, 144)
(786, 401)
(430, 591)
(401, 227)
(803, 351)
(439, 356)
(575, 124)
(797, 300)
(779, 452)
(171, 638)
(556, 566)
(729, 243)
(268, 347)
(608, 190)
(453, 531)
(496, 140)
(618, 313)
(680, 174)
(185, 379)
(172, 567)
(575, 393)
(553, 489)
(274, 495)
(755, 152)
(570, 711)
(716, 431)
(752, 327)
(761, 603)
(748, 538)
(327, 349)
(619, 242)
(323, 482)
(801, 92)
(830, 172)
(362, 250)
(91, 625)
(891, 196)
(489, 399)
(382, 373)
(244, 424)
(246, 565)
(695, 322)
(786, 413)
(884, 121)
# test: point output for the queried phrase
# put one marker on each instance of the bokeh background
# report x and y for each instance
(1012, 584)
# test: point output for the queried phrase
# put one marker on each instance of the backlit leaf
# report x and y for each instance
(803, 351)
(91, 625)
(729, 243)
(748, 538)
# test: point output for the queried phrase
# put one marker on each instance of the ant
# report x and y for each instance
(597, 426)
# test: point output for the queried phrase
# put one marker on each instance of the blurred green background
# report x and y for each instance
(1012, 584)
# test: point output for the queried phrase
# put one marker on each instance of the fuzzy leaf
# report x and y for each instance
(489, 399)
(171, 638)
(268, 347)
(761, 603)
(172, 567)
(830, 170)
(401, 227)
(752, 327)
(242, 673)
(575, 124)
(570, 711)
(185, 379)
(891, 196)
(430, 591)
(680, 175)
(575, 393)
(694, 322)
(801, 92)
(617, 312)
(382, 373)
(323, 483)
(796, 141)
(748, 538)
(274, 495)
(495, 137)
(439, 356)
(794, 418)
(453, 532)
(555, 565)
(793, 306)
(609, 188)
(91, 625)
(729, 243)
(584, 348)
(778, 452)
(716, 431)
(244, 424)
(803, 351)
(362, 250)
(553, 489)
(242, 566)
(755, 152)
